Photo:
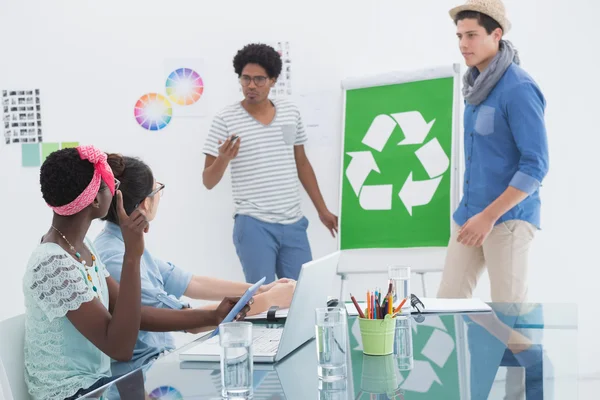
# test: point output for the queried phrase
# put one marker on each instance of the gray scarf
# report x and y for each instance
(477, 90)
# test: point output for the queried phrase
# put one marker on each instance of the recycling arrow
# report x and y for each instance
(378, 197)
(421, 378)
(433, 158)
(439, 347)
(431, 155)
(361, 165)
(414, 126)
(418, 193)
(379, 132)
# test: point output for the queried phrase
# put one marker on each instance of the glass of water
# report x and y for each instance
(235, 339)
(400, 276)
(403, 344)
(331, 338)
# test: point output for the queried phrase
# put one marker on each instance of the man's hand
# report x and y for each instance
(228, 150)
(476, 230)
(330, 221)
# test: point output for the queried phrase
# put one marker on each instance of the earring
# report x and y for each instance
(96, 205)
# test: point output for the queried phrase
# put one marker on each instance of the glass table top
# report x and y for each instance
(530, 349)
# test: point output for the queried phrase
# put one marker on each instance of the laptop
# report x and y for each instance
(270, 345)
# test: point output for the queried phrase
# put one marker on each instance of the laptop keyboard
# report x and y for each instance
(266, 341)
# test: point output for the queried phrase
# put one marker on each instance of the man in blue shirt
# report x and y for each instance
(506, 159)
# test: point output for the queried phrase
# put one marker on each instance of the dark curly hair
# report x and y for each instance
(137, 182)
(484, 20)
(260, 54)
(64, 176)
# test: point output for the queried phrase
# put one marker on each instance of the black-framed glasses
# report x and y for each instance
(158, 190)
(258, 80)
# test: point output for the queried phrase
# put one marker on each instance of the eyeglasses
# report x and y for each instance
(158, 190)
(258, 80)
(104, 186)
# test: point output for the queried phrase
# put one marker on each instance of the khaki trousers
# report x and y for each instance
(505, 253)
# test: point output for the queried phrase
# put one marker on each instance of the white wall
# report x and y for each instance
(93, 60)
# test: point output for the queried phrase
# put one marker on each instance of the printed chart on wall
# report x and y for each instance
(22, 116)
(396, 165)
(283, 87)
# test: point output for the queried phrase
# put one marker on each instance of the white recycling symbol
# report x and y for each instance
(413, 193)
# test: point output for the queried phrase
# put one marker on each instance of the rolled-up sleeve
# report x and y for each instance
(175, 279)
(525, 106)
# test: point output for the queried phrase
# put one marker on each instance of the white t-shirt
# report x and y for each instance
(264, 176)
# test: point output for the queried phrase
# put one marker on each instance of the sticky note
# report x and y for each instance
(69, 145)
(48, 148)
(30, 154)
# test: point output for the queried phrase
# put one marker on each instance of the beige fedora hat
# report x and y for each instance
(491, 8)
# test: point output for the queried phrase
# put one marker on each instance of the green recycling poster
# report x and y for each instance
(396, 165)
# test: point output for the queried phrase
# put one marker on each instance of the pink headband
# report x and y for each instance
(102, 171)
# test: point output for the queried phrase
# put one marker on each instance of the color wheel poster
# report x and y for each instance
(184, 86)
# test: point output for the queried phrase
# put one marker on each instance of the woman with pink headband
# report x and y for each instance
(76, 318)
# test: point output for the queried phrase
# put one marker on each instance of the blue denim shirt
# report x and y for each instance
(505, 145)
(159, 280)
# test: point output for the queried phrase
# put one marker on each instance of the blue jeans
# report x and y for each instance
(267, 249)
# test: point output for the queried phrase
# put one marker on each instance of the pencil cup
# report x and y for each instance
(377, 335)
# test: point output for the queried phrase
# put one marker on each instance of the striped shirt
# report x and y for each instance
(264, 177)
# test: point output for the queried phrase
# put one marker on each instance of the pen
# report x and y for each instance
(360, 313)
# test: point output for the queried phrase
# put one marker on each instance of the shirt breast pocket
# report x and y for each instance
(484, 124)
(289, 133)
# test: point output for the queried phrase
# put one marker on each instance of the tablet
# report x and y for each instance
(241, 303)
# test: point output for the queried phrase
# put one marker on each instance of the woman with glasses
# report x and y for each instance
(162, 283)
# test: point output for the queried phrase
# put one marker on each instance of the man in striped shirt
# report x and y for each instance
(263, 140)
